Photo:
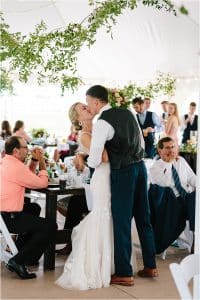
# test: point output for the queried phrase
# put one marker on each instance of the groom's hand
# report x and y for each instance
(79, 162)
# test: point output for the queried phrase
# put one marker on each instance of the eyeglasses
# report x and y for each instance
(169, 148)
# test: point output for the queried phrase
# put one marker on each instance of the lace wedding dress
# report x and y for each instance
(91, 261)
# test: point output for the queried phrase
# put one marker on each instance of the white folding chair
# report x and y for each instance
(6, 241)
(182, 273)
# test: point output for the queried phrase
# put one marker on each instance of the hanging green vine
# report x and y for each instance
(122, 97)
(52, 56)
(6, 84)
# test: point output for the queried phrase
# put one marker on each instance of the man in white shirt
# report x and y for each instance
(172, 171)
(117, 130)
(161, 171)
(190, 123)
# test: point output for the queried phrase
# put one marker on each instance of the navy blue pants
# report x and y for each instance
(129, 198)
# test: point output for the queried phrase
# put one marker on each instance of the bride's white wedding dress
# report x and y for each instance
(91, 261)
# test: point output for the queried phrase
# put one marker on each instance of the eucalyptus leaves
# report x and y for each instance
(52, 56)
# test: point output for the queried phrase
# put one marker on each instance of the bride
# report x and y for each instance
(91, 261)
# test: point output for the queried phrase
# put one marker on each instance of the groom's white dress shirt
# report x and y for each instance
(102, 132)
(161, 174)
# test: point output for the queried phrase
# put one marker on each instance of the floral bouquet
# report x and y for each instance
(117, 99)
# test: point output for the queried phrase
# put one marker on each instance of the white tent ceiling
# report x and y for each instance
(144, 40)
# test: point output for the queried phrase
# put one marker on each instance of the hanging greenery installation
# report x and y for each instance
(52, 56)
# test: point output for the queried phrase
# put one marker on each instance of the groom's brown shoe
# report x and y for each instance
(148, 272)
(127, 281)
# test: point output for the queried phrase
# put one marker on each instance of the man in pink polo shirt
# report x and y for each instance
(15, 177)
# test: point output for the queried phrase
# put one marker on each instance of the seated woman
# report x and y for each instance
(6, 131)
(19, 131)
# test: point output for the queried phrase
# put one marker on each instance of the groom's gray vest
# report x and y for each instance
(125, 146)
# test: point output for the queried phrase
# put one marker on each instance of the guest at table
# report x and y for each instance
(173, 172)
(190, 122)
(161, 170)
(6, 131)
(74, 209)
(19, 131)
(15, 177)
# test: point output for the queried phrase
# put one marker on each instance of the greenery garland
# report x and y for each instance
(6, 84)
(52, 56)
(163, 85)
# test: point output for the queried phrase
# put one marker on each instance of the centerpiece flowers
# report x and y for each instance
(39, 133)
(117, 99)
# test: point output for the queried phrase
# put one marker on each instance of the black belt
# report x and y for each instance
(10, 214)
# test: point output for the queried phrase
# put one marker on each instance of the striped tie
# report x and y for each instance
(177, 183)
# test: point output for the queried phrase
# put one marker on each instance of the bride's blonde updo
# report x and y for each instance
(73, 116)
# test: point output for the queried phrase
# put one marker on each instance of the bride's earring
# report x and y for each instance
(80, 123)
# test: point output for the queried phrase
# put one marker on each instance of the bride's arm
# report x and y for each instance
(86, 141)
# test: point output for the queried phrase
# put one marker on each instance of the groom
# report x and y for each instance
(117, 131)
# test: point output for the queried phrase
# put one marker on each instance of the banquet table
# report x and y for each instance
(51, 196)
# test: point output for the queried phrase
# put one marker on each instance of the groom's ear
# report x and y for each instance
(97, 101)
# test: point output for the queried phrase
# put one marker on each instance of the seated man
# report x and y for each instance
(73, 207)
(172, 178)
(15, 177)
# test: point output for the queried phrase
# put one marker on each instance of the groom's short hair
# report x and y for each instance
(99, 92)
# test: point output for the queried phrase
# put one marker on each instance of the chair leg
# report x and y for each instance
(164, 254)
(8, 242)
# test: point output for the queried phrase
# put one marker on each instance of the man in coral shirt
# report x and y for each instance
(15, 177)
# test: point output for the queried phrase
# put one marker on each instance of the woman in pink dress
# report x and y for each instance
(173, 122)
